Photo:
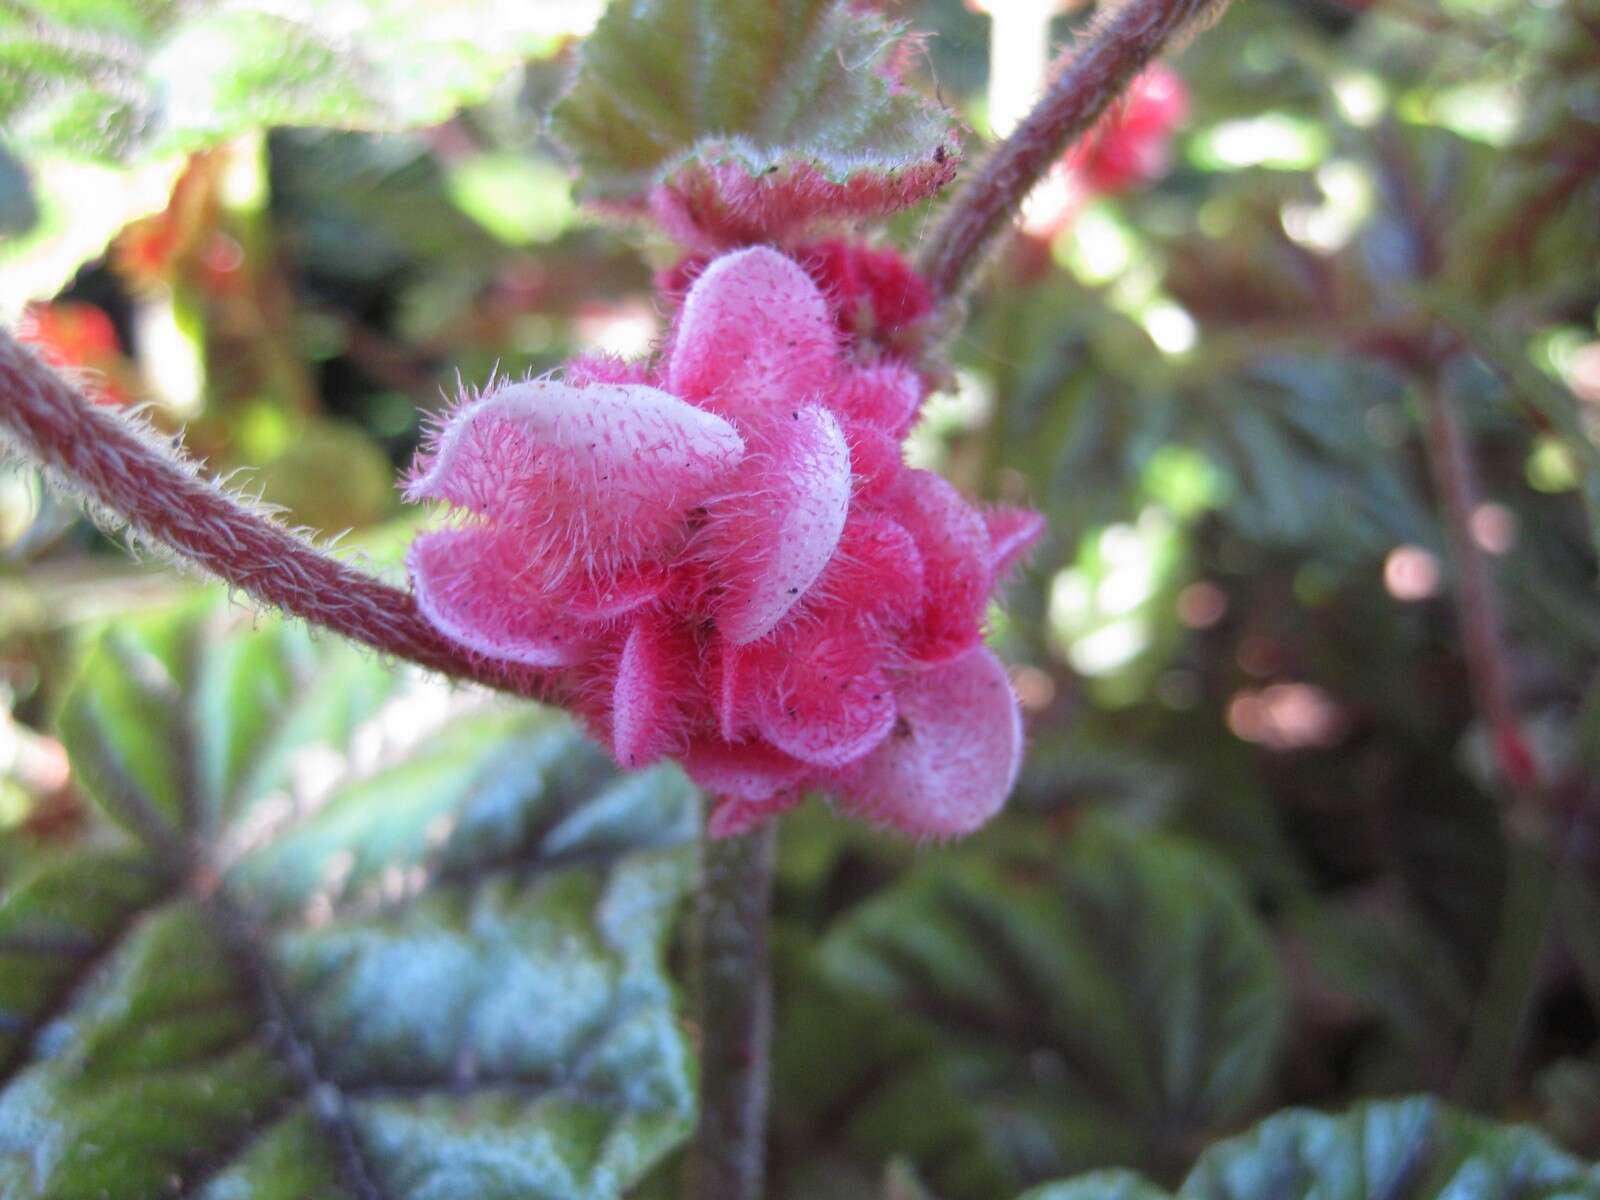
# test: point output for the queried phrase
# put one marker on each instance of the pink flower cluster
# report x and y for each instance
(721, 556)
(1131, 146)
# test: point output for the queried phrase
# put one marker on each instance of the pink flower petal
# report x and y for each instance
(652, 682)
(1012, 533)
(955, 557)
(953, 756)
(589, 369)
(876, 574)
(875, 460)
(816, 688)
(747, 771)
(885, 396)
(824, 697)
(755, 338)
(872, 291)
(605, 471)
(472, 585)
(733, 689)
(776, 532)
(588, 599)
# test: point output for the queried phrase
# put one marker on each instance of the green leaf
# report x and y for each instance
(1098, 1185)
(1412, 1149)
(516, 198)
(127, 79)
(1111, 1007)
(1304, 467)
(1416, 1149)
(1392, 966)
(1553, 402)
(102, 101)
(352, 934)
(749, 118)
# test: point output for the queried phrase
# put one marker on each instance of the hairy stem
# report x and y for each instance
(1090, 75)
(735, 1017)
(164, 499)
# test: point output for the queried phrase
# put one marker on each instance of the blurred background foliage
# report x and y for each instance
(1259, 856)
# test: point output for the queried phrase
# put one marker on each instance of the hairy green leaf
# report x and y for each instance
(350, 935)
(740, 120)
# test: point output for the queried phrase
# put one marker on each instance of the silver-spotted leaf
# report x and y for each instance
(349, 933)
(1413, 1149)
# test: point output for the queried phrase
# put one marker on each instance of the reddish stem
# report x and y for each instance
(1477, 606)
(1088, 77)
(164, 499)
(1511, 982)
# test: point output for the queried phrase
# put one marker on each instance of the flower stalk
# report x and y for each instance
(1090, 75)
(727, 1161)
(165, 500)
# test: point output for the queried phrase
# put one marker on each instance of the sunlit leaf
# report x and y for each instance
(97, 96)
(122, 79)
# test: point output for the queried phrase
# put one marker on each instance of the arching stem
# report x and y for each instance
(1087, 78)
(167, 501)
